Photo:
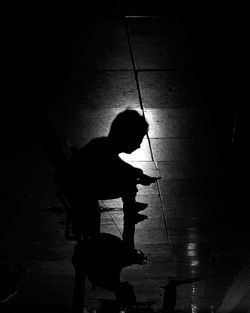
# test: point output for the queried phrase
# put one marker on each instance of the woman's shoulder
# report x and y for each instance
(95, 145)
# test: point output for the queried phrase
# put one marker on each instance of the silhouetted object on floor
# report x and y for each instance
(96, 172)
(170, 294)
(103, 257)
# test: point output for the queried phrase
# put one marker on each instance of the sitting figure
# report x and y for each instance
(96, 172)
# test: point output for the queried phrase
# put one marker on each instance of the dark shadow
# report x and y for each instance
(103, 257)
(96, 172)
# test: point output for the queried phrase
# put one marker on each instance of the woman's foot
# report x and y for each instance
(140, 206)
(139, 218)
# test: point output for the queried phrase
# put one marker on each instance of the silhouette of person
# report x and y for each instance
(96, 172)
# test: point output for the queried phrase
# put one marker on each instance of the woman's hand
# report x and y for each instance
(147, 180)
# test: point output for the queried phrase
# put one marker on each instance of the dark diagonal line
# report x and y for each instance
(142, 108)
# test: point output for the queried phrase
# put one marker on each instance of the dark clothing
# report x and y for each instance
(96, 172)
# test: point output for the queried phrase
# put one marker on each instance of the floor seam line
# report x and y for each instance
(143, 112)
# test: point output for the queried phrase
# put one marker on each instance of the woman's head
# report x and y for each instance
(127, 130)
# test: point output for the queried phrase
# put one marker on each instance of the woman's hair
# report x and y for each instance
(128, 123)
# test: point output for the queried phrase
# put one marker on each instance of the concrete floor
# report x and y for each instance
(81, 68)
